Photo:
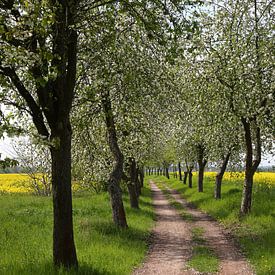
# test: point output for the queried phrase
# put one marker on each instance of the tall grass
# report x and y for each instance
(255, 232)
(26, 234)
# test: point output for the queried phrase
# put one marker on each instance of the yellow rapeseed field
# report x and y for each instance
(21, 183)
(259, 177)
(14, 183)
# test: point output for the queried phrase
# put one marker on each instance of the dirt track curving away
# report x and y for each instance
(171, 245)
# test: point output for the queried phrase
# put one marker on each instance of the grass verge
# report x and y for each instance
(203, 259)
(26, 234)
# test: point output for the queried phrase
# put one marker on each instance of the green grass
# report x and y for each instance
(203, 260)
(26, 235)
(255, 232)
(197, 235)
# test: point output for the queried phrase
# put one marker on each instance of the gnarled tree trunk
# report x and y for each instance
(219, 176)
(132, 195)
(185, 175)
(190, 177)
(141, 176)
(114, 189)
(202, 162)
(138, 180)
(179, 167)
(167, 172)
(250, 165)
(132, 184)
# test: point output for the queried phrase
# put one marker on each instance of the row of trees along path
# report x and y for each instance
(172, 241)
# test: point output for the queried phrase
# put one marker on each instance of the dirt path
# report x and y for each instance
(232, 262)
(171, 243)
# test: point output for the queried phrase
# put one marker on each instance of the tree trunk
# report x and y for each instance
(180, 175)
(131, 181)
(219, 176)
(250, 165)
(167, 173)
(53, 101)
(185, 177)
(132, 195)
(190, 178)
(114, 189)
(247, 192)
(134, 184)
(138, 181)
(64, 252)
(141, 176)
(118, 211)
(200, 176)
(202, 162)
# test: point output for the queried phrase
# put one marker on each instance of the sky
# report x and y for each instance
(6, 148)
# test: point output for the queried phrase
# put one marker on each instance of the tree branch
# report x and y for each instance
(36, 113)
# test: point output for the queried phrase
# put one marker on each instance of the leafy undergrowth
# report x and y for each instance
(255, 232)
(26, 235)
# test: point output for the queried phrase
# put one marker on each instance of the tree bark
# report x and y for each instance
(185, 177)
(64, 252)
(132, 195)
(190, 178)
(202, 162)
(132, 184)
(250, 165)
(138, 180)
(140, 173)
(180, 175)
(200, 176)
(219, 176)
(114, 189)
(167, 172)
(175, 172)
